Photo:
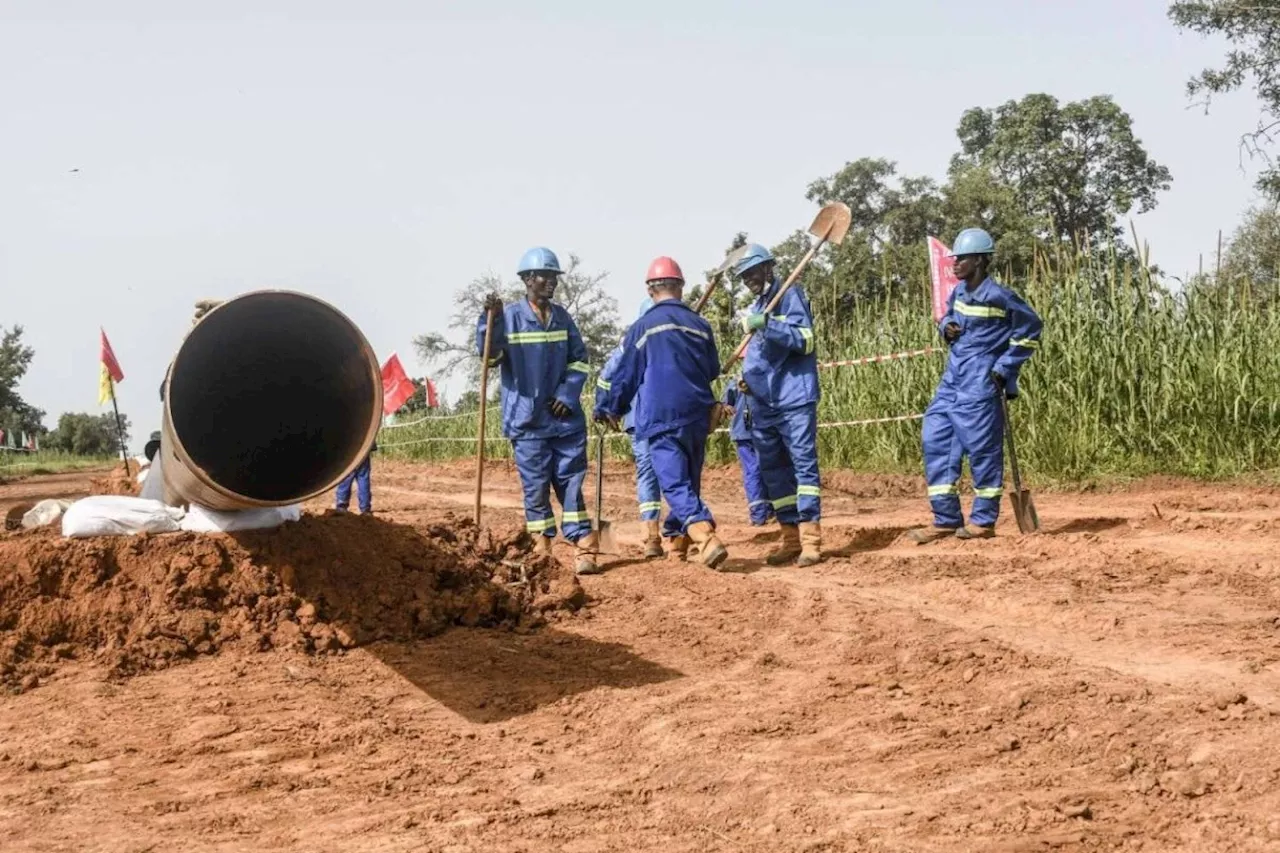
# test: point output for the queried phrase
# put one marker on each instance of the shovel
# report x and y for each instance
(607, 542)
(829, 226)
(1024, 509)
(717, 275)
(484, 402)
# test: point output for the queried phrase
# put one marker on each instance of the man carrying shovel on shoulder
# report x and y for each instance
(543, 362)
(991, 333)
(668, 363)
(780, 389)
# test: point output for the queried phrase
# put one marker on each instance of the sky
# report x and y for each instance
(381, 155)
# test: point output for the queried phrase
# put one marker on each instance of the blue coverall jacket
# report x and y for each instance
(780, 367)
(538, 364)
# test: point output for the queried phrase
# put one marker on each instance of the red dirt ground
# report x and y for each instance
(1111, 684)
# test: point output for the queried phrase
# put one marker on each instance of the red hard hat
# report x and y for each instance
(663, 267)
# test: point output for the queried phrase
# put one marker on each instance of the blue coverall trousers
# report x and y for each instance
(648, 492)
(787, 444)
(952, 431)
(560, 464)
(364, 492)
(759, 507)
(678, 457)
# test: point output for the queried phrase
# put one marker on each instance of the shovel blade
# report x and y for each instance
(608, 542)
(832, 222)
(730, 259)
(1024, 511)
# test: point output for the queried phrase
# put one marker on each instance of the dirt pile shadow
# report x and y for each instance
(490, 676)
(322, 584)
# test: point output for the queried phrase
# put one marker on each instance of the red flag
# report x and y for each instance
(397, 387)
(109, 371)
(944, 278)
(432, 400)
(109, 360)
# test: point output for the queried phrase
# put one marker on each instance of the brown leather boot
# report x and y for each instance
(542, 545)
(678, 548)
(788, 549)
(653, 540)
(588, 549)
(974, 531)
(925, 535)
(711, 553)
(810, 543)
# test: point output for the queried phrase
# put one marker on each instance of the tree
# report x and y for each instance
(1251, 260)
(87, 435)
(1252, 27)
(581, 293)
(1075, 168)
(15, 358)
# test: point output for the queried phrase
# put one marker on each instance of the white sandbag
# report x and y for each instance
(153, 486)
(45, 512)
(118, 515)
(201, 519)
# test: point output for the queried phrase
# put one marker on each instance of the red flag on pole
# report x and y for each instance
(397, 387)
(433, 401)
(943, 276)
(109, 372)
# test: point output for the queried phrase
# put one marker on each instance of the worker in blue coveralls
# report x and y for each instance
(759, 507)
(780, 385)
(648, 493)
(991, 333)
(668, 364)
(361, 478)
(543, 364)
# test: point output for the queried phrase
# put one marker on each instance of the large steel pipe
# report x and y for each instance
(272, 399)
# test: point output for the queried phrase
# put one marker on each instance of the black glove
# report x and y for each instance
(493, 304)
(560, 410)
(951, 332)
(998, 379)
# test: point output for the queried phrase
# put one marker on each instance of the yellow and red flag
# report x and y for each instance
(110, 371)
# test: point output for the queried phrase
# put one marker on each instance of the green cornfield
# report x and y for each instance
(1131, 378)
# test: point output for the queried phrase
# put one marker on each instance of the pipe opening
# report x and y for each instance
(273, 396)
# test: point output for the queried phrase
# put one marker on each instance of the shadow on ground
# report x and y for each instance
(489, 676)
(1089, 525)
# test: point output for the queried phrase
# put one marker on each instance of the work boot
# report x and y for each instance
(678, 548)
(974, 531)
(810, 544)
(788, 549)
(588, 548)
(653, 541)
(541, 545)
(925, 535)
(711, 552)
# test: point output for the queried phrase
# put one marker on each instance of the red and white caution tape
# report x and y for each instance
(622, 435)
(432, 418)
(824, 365)
(876, 359)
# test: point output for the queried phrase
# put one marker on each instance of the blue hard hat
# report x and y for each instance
(539, 258)
(752, 256)
(645, 306)
(972, 241)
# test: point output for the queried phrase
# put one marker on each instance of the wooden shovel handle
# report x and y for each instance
(773, 303)
(484, 405)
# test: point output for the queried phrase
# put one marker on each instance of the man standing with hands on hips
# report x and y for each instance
(543, 363)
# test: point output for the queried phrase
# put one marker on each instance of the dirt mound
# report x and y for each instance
(319, 585)
(115, 482)
(873, 485)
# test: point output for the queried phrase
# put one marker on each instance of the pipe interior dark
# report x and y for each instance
(272, 395)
